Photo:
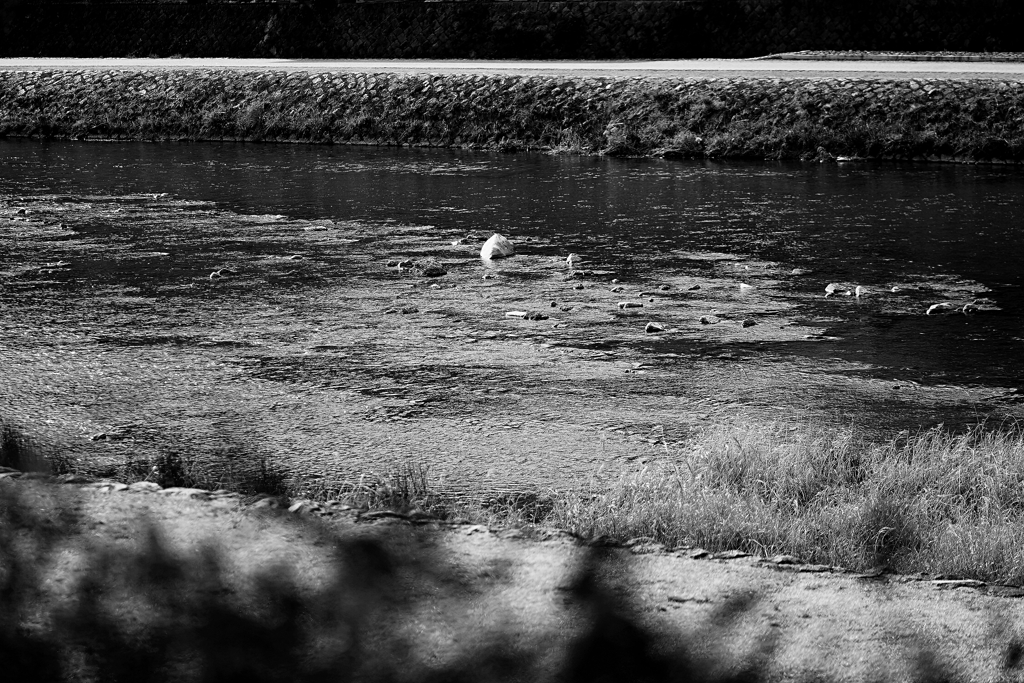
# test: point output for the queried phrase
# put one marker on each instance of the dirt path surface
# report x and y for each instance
(697, 68)
(813, 623)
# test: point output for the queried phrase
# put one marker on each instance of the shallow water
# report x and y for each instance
(307, 360)
(953, 232)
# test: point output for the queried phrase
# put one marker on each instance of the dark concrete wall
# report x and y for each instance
(494, 30)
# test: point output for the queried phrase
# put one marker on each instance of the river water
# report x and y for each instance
(935, 232)
(879, 225)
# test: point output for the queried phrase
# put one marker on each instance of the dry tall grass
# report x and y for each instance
(935, 501)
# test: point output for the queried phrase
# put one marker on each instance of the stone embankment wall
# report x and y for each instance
(578, 29)
(716, 118)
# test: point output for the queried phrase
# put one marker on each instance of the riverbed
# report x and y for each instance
(234, 302)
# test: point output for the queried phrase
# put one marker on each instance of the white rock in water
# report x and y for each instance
(496, 247)
(835, 288)
(944, 307)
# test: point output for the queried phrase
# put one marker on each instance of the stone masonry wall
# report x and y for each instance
(579, 29)
(719, 118)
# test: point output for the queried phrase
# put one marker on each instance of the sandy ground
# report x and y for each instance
(815, 624)
(693, 68)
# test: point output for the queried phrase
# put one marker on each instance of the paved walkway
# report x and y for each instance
(695, 68)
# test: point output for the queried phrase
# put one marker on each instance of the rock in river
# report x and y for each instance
(496, 247)
(433, 270)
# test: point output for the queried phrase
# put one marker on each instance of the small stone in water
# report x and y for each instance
(617, 289)
(295, 257)
(693, 288)
(654, 327)
(630, 304)
(665, 288)
(748, 323)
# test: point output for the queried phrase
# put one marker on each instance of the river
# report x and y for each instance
(936, 233)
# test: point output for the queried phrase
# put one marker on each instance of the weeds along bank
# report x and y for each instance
(968, 120)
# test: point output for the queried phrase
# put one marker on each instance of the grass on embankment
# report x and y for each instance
(933, 502)
(758, 118)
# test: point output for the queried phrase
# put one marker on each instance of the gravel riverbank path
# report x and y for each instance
(795, 66)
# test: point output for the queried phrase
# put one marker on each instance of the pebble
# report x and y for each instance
(748, 323)
(184, 492)
(654, 327)
(693, 288)
(145, 487)
(75, 479)
(944, 307)
(434, 270)
(630, 304)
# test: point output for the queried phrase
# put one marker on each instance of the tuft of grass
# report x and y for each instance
(405, 487)
(230, 467)
(937, 501)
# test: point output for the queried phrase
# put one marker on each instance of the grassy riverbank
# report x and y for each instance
(819, 119)
(933, 502)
